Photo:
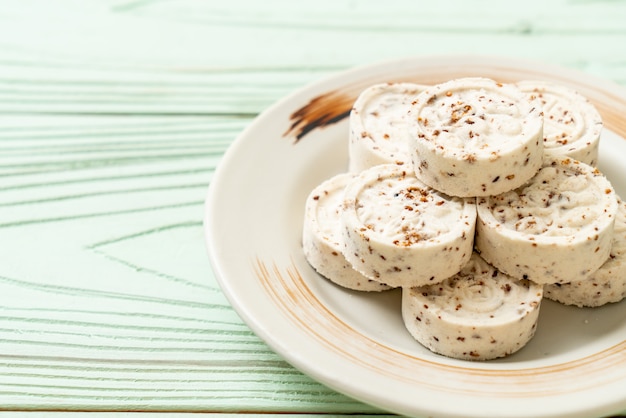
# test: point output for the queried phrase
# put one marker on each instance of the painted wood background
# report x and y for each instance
(113, 117)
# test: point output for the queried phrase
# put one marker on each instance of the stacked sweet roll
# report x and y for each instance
(477, 199)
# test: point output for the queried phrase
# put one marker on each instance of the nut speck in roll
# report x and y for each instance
(478, 314)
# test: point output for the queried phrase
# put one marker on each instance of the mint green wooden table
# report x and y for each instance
(113, 117)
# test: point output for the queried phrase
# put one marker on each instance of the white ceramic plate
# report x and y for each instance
(356, 343)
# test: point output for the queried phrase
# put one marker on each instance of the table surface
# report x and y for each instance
(113, 117)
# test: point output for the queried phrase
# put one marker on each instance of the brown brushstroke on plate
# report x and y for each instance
(320, 111)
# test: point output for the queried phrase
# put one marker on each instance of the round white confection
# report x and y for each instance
(478, 314)
(557, 228)
(321, 236)
(571, 124)
(403, 233)
(475, 137)
(608, 284)
(378, 125)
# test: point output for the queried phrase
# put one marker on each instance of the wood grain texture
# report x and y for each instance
(113, 117)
